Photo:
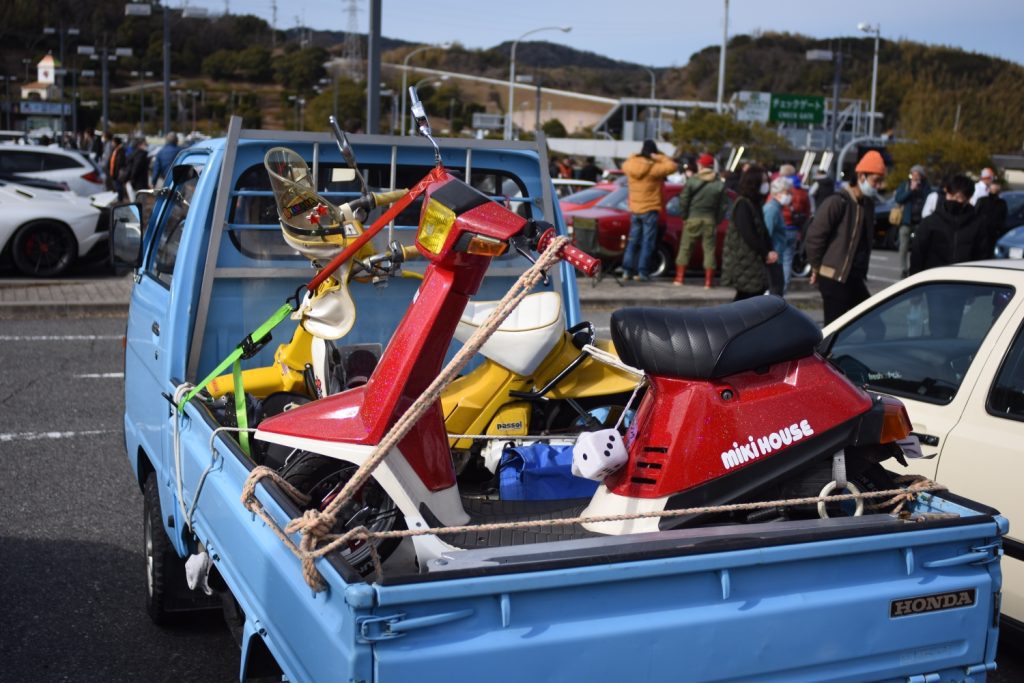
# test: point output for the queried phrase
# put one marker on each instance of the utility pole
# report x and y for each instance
(721, 59)
(373, 70)
(836, 82)
(167, 69)
(536, 124)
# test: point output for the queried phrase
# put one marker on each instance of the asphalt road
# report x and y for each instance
(71, 558)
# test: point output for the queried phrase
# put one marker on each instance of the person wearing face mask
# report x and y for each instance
(702, 204)
(774, 220)
(991, 210)
(838, 240)
(950, 235)
(795, 214)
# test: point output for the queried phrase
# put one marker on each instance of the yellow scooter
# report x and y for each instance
(535, 379)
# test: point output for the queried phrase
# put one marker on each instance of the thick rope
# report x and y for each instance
(308, 553)
(315, 524)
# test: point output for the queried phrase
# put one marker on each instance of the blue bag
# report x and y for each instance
(540, 472)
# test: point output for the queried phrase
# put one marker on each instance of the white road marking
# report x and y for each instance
(36, 436)
(102, 375)
(66, 337)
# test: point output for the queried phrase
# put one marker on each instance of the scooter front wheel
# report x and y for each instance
(322, 478)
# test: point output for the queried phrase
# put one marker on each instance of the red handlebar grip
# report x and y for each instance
(581, 260)
(584, 262)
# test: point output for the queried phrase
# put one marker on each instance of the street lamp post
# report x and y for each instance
(61, 32)
(7, 96)
(721, 59)
(877, 30)
(142, 98)
(509, 110)
(405, 73)
(653, 78)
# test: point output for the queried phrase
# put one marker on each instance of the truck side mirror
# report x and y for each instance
(126, 237)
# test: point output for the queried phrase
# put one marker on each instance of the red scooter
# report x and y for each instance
(739, 406)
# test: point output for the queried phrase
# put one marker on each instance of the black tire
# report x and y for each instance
(162, 562)
(43, 249)
(663, 262)
(318, 476)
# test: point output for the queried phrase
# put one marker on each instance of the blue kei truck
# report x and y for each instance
(880, 597)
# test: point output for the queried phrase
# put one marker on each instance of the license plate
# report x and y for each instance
(1016, 252)
(583, 223)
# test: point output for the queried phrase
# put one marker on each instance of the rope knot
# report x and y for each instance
(312, 523)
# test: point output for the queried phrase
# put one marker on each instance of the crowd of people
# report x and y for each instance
(955, 221)
(124, 163)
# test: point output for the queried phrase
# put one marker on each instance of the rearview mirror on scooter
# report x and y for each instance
(419, 114)
(346, 151)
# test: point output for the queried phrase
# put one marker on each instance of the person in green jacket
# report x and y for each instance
(703, 205)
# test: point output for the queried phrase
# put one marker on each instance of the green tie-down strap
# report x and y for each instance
(247, 348)
(241, 416)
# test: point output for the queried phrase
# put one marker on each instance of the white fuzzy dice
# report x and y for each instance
(598, 454)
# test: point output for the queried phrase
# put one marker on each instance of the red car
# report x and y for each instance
(603, 229)
(585, 198)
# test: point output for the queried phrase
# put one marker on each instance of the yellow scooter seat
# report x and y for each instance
(525, 338)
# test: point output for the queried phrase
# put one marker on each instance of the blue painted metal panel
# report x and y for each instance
(312, 636)
(809, 612)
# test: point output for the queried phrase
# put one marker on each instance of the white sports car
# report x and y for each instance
(45, 231)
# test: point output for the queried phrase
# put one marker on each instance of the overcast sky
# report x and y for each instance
(660, 32)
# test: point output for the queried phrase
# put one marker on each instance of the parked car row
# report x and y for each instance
(64, 166)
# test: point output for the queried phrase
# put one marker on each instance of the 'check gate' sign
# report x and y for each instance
(766, 107)
(797, 109)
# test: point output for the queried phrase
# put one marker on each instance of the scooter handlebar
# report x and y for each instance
(581, 260)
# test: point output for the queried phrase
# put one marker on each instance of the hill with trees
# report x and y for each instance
(241, 65)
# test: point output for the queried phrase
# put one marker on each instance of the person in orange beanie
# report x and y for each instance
(839, 238)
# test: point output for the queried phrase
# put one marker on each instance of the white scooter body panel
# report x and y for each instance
(606, 503)
(399, 481)
(525, 338)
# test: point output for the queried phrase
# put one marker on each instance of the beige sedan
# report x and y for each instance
(949, 342)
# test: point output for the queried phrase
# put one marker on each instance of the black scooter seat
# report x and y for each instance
(714, 342)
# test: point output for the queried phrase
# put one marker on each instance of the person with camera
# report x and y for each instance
(910, 198)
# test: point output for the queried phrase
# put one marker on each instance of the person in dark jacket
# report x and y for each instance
(911, 195)
(117, 169)
(748, 247)
(589, 171)
(950, 235)
(138, 168)
(838, 240)
(991, 210)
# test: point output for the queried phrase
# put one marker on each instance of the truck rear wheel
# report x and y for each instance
(322, 478)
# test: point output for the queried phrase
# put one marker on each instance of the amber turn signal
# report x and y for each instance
(486, 246)
(895, 421)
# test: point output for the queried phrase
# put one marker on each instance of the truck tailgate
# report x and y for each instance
(877, 605)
